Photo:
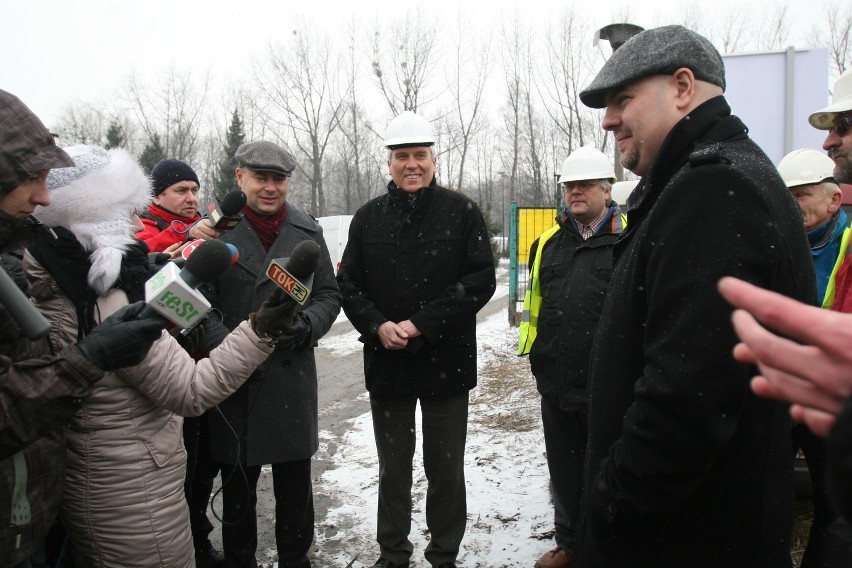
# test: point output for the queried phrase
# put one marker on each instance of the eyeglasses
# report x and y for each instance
(842, 124)
(583, 185)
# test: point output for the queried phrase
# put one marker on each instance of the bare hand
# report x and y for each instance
(203, 230)
(392, 336)
(409, 328)
(174, 250)
(817, 376)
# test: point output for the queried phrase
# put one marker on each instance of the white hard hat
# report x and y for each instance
(621, 190)
(408, 129)
(841, 101)
(586, 163)
(806, 166)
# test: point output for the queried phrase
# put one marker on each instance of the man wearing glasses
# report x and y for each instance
(570, 269)
(173, 216)
(836, 118)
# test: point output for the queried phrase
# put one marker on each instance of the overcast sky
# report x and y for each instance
(55, 51)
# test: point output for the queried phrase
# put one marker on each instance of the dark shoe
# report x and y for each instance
(556, 558)
(447, 565)
(385, 563)
(207, 557)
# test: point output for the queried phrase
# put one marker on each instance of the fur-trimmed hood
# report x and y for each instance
(94, 200)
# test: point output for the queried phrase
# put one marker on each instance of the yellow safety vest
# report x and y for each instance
(828, 300)
(532, 298)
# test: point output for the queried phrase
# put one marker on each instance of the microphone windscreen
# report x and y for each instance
(209, 260)
(233, 203)
(304, 259)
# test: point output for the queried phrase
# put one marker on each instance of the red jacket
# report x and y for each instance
(164, 228)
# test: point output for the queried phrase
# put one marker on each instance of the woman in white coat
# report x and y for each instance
(123, 501)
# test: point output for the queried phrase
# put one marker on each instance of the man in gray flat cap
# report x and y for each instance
(274, 414)
(685, 465)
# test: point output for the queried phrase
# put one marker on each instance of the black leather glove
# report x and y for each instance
(297, 335)
(123, 339)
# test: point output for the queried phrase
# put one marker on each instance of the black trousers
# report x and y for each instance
(444, 436)
(294, 514)
(565, 441)
(201, 472)
(830, 539)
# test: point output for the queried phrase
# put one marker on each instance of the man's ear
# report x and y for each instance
(684, 81)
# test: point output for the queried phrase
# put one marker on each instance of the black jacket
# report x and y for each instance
(432, 264)
(573, 275)
(274, 413)
(685, 465)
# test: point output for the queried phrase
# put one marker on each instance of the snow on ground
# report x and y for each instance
(509, 511)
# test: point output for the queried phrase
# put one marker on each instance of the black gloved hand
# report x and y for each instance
(300, 330)
(192, 341)
(274, 317)
(123, 339)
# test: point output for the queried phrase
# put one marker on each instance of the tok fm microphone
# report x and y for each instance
(225, 215)
(295, 274)
(173, 293)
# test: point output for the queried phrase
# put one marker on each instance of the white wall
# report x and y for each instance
(756, 84)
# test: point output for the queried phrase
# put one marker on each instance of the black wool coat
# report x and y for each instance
(574, 276)
(431, 264)
(274, 413)
(685, 465)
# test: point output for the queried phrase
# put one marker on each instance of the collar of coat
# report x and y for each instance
(403, 198)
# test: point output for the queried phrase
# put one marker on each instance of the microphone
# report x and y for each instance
(172, 292)
(295, 274)
(190, 248)
(224, 216)
(33, 325)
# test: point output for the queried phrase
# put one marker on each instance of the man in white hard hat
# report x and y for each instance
(836, 118)
(416, 269)
(809, 175)
(685, 465)
(570, 268)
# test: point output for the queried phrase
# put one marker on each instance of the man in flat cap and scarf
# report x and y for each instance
(685, 465)
(272, 418)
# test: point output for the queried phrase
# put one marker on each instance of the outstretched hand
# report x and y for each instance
(810, 367)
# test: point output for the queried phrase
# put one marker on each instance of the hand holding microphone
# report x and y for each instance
(220, 216)
(123, 339)
(276, 321)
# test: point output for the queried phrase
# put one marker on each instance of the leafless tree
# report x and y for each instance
(775, 31)
(299, 83)
(559, 82)
(835, 33)
(171, 107)
(466, 81)
(81, 123)
(404, 59)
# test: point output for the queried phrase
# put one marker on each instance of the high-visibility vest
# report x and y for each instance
(532, 298)
(831, 289)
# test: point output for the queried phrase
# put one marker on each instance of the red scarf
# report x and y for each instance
(266, 227)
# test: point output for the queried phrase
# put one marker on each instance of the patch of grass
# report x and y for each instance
(506, 398)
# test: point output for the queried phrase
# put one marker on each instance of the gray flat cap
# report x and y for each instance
(658, 51)
(262, 156)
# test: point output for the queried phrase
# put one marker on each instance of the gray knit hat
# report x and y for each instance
(264, 156)
(26, 146)
(658, 51)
